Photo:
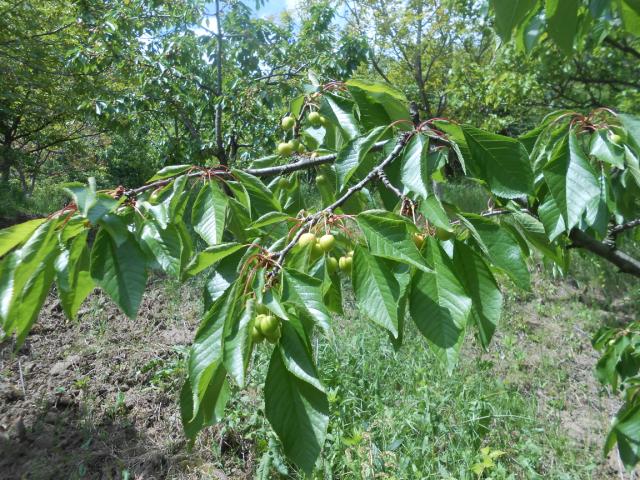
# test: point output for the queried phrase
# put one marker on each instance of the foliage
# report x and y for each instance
(564, 22)
(572, 181)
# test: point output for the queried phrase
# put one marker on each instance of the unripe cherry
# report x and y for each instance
(327, 242)
(288, 123)
(345, 264)
(315, 119)
(285, 149)
(306, 239)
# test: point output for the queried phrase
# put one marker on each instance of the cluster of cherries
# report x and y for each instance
(286, 149)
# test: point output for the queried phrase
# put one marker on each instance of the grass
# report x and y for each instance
(396, 414)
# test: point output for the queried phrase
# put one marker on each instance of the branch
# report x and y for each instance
(387, 183)
(622, 47)
(623, 261)
(306, 162)
(377, 68)
(618, 229)
(311, 220)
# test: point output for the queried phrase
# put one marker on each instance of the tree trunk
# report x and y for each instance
(6, 160)
(222, 154)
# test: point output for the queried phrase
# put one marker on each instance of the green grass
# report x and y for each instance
(398, 415)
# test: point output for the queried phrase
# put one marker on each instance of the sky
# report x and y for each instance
(274, 7)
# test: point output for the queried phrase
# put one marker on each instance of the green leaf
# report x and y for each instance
(379, 104)
(209, 213)
(305, 293)
(15, 235)
(211, 255)
(237, 343)
(376, 289)
(171, 203)
(626, 431)
(414, 165)
(297, 356)
(262, 199)
(297, 411)
(221, 279)
(270, 218)
(551, 218)
(343, 111)
(169, 171)
(630, 14)
(25, 277)
(509, 13)
(562, 22)
(163, 245)
(28, 302)
(482, 288)
(72, 275)
(605, 151)
(439, 306)
(501, 248)
(534, 232)
(632, 125)
(501, 161)
(210, 409)
(207, 351)
(353, 153)
(435, 214)
(455, 136)
(91, 204)
(571, 179)
(119, 270)
(388, 236)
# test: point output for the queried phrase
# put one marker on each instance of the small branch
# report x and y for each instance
(622, 47)
(312, 220)
(618, 229)
(303, 164)
(387, 183)
(623, 261)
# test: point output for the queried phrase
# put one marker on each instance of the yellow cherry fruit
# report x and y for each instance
(315, 119)
(345, 264)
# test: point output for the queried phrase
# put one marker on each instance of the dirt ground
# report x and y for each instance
(97, 398)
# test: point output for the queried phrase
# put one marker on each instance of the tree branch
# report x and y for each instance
(304, 163)
(312, 220)
(622, 260)
(618, 229)
(622, 47)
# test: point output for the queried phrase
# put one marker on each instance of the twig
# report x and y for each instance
(618, 229)
(387, 183)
